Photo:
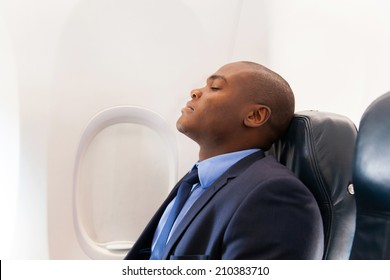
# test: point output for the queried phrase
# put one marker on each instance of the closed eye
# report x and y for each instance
(216, 82)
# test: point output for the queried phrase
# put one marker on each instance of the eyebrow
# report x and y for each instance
(216, 77)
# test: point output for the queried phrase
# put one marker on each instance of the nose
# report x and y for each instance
(195, 93)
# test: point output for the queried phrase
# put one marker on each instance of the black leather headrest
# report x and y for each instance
(319, 148)
(371, 178)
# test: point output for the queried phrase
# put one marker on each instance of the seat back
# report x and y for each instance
(371, 179)
(318, 148)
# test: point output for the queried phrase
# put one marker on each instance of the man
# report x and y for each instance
(246, 205)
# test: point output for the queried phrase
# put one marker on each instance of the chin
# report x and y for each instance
(179, 126)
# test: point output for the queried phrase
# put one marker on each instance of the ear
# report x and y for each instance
(258, 116)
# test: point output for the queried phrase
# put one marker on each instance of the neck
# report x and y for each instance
(209, 153)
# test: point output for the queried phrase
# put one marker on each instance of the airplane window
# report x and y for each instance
(124, 170)
(123, 173)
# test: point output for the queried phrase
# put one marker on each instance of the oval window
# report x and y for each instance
(124, 174)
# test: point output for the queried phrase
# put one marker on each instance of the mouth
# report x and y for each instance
(188, 107)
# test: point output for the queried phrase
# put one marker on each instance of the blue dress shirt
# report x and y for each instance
(209, 171)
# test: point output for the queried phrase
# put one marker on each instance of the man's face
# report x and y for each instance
(216, 111)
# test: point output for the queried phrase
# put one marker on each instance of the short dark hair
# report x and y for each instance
(270, 89)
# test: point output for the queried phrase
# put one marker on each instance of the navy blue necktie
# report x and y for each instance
(182, 195)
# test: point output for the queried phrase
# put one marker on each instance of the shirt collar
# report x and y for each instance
(211, 169)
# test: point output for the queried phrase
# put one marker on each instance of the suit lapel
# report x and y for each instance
(207, 196)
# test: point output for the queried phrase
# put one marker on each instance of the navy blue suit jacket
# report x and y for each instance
(257, 209)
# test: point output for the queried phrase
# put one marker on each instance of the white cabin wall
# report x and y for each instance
(9, 140)
(34, 29)
(334, 53)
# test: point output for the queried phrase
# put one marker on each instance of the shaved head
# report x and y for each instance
(266, 87)
(269, 88)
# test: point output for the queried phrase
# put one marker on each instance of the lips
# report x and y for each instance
(189, 106)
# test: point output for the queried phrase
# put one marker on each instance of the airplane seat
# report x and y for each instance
(371, 178)
(318, 147)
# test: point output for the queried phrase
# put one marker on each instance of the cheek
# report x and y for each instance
(228, 112)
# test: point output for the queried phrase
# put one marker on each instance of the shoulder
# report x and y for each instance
(267, 192)
(267, 175)
(268, 168)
